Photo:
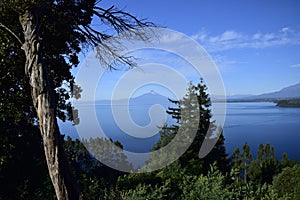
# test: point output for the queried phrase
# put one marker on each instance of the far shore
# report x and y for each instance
(278, 102)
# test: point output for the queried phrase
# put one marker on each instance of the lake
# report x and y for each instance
(263, 122)
(252, 122)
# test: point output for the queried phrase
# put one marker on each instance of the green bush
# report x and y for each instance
(287, 183)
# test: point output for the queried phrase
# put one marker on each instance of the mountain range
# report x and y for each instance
(150, 98)
(290, 92)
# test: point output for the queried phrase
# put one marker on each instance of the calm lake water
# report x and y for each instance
(255, 123)
(263, 122)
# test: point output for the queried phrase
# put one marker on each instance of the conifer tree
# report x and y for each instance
(241, 162)
(196, 102)
(246, 158)
(265, 166)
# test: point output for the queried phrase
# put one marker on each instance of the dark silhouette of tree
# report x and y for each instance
(259, 170)
(196, 103)
(265, 166)
(246, 158)
(286, 162)
(23, 166)
(51, 34)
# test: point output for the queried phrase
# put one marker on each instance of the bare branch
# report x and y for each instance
(119, 20)
(108, 48)
(11, 32)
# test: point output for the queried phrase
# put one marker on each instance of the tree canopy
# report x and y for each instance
(193, 115)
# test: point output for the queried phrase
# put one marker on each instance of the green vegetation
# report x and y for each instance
(40, 43)
(30, 180)
(195, 101)
(288, 103)
(217, 176)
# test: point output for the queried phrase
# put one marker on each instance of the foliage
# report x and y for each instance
(286, 162)
(214, 185)
(265, 166)
(245, 178)
(203, 187)
(108, 151)
(241, 162)
(24, 180)
(261, 169)
(94, 178)
(287, 183)
(193, 117)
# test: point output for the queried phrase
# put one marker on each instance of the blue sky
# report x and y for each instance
(255, 44)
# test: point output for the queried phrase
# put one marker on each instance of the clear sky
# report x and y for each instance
(255, 43)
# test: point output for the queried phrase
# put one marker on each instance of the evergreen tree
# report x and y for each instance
(286, 162)
(265, 166)
(241, 162)
(246, 158)
(193, 115)
(236, 164)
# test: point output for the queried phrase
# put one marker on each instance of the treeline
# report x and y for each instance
(288, 103)
(264, 177)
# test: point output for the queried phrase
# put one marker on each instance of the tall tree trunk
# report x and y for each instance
(44, 103)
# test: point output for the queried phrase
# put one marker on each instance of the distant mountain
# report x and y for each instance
(149, 99)
(290, 92)
(146, 99)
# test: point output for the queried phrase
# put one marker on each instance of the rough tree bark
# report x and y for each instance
(44, 104)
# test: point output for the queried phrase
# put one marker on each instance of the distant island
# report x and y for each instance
(288, 103)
